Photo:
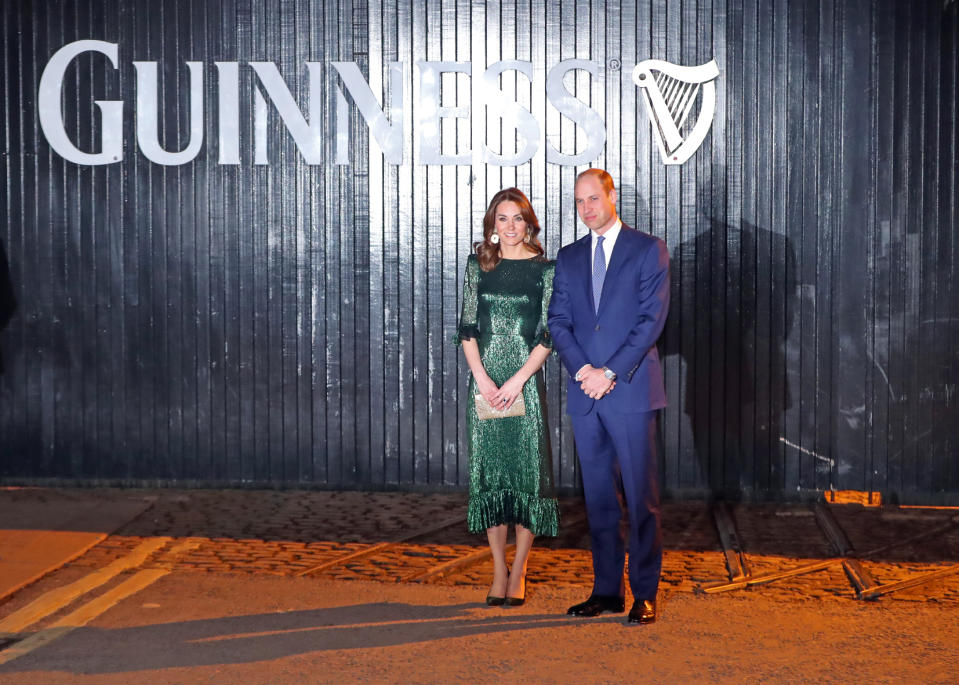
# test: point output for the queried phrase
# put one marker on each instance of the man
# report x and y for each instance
(609, 304)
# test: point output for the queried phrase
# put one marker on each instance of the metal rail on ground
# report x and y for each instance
(379, 547)
(869, 590)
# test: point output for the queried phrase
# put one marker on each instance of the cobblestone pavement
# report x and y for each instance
(403, 537)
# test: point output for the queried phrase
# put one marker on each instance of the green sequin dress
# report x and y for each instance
(510, 460)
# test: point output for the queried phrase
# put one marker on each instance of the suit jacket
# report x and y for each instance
(622, 334)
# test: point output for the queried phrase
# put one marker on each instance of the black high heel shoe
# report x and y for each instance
(517, 601)
(493, 600)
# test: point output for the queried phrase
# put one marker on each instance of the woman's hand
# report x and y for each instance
(508, 393)
(487, 389)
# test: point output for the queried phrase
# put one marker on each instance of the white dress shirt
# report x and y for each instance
(609, 240)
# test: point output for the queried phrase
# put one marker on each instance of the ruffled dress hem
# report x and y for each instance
(540, 515)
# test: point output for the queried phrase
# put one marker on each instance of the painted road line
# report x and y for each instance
(54, 600)
(110, 598)
(83, 615)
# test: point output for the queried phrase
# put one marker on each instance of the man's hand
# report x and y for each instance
(594, 383)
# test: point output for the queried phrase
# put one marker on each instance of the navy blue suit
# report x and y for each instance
(616, 435)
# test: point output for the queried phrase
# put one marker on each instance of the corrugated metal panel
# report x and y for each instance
(288, 323)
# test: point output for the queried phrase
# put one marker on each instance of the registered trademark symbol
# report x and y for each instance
(614, 64)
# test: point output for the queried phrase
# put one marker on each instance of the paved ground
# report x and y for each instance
(290, 532)
(223, 564)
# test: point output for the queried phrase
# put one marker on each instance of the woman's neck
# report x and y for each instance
(520, 251)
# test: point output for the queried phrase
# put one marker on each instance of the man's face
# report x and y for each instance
(596, 209)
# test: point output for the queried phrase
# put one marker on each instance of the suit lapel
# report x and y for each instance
(584, 246)
(616, 262)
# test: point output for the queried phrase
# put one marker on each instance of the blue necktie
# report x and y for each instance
(599, 272)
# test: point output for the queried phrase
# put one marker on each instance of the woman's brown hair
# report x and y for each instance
(487, 253)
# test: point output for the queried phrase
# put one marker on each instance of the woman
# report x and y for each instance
(503, 332)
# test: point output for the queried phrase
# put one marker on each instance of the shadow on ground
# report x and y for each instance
(263, 637)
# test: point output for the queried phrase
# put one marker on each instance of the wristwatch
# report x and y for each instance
(609, 373)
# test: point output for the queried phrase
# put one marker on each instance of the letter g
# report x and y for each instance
(51, 112)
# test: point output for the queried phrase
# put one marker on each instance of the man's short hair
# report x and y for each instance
(602, 176)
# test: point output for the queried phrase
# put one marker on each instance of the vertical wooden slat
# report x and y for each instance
(378, 343)
(43, 37)
(390, 193)
(795, 193)
(415, 278)
(711, 212)
(734, 377)
(454, 47)
(348, 235)
(825, 294)
(360, 196)
(18, 251)
(935, 273)
(883, 394)
(413, 254)
(212, 348)
(815, 473)
(283, 374)
(431, 316)
(6, 200)
(781, 256)
(913, 229)
(853, 261)
(760, 252)
(59, 198)
(947, 470)
(754, 197)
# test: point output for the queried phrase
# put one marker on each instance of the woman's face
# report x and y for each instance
(510, 224)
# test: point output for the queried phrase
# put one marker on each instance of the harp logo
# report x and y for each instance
(670, 92)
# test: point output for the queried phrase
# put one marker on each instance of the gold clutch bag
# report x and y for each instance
(484, 410)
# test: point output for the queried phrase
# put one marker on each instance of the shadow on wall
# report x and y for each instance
(8, 304)
(733, 302)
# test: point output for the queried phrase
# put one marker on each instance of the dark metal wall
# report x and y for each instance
(290, 323)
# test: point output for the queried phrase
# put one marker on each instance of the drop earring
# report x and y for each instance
(526, 238)
(494, 238)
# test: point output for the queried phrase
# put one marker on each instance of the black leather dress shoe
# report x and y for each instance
(597, 604)
(643, 611)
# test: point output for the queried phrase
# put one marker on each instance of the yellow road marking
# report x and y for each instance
(84, 614)
(54, 600)
(97, 606)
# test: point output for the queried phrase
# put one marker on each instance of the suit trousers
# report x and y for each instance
(618, 458)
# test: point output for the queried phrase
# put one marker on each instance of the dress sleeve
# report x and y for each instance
(542, 330)
(469, 325)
